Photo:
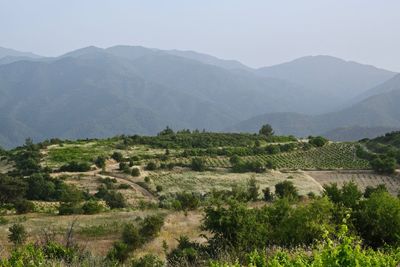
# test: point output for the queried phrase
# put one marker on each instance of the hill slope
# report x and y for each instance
(375, 112)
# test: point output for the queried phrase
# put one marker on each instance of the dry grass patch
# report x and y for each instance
(203, 182)
(176, 224)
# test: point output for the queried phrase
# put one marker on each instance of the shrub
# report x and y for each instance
(269, 164)
(252, 189)
(135, 172)
(286, 189)
(68, 208)
(92, 207)
(151, 226)
(114, 199)
(100, 161)
(159, 188)
(272, 149)
(124, 186)
(187, 253)
(151, 166)
(131, 236)
(75, 166)
(3, 220)
(24, 206)
(268, 196)
(250, 166)
(11, 189)
(187, 201)
(198, 164)
(235, 159)
(119, 252)
(117, 156)
(148, 260)
(17, 234)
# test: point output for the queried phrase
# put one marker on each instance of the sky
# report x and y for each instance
(255, 32)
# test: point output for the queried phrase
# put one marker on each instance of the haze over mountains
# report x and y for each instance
(95, 92)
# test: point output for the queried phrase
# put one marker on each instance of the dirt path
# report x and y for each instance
(121, 179)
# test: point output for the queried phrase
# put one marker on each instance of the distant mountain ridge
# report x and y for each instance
(340, 80)
(377, 112)
(96, 92)
(7, 52)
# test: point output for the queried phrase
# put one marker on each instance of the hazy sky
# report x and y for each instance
(256, 32)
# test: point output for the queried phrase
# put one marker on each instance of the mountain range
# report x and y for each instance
(96, 92)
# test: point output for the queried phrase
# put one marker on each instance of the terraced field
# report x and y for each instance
(361, 178)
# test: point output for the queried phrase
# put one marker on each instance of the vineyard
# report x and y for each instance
(330, 156)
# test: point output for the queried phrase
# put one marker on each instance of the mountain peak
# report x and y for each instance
(83, 51)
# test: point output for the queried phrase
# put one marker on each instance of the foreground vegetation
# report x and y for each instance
(200, 199)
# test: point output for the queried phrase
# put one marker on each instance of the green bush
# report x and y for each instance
(135, 172)
(151, 166)
(198, 164)
(92, 207)
(24, 206)
(117, 156)
(378, 220)
(148, 260)
(17, 234)
(131, 237)
(119, 252)
(151, 226)
(68, 208)
(286, 189)
(100, 161)
(75, 166)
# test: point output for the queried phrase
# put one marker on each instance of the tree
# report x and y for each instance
(17, 234)
(266, 130)
(317, 141)
(369, 190)
(11, 189)
(385, 165)
(166, 131)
